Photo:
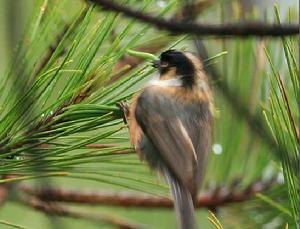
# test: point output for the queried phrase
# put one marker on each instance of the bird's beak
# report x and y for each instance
(155, 63)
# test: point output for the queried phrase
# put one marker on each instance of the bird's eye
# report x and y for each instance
(164, 64)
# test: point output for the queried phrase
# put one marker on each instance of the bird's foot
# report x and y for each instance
(124, 107)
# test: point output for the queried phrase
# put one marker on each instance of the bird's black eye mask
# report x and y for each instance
(162, 66)
(173, 58)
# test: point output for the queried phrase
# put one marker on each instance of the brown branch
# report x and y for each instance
(59, 210)
(3, 193)
(100, 146)
(211, 200)
(177, 27)
(5, 189)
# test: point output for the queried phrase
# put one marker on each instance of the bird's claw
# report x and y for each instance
(124, 107)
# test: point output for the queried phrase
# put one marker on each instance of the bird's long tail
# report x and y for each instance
(183, 204)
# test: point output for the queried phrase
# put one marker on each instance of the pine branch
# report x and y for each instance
(60, 210)
(212, 200)
(177, 27)
(50, 51)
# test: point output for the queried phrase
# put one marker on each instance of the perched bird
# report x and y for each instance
(170, 124)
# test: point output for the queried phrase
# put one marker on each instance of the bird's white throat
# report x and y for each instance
(175, 82)
(165, 83)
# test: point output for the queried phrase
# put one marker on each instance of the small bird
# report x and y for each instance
(170, 123)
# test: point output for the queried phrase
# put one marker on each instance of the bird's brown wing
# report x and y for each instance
(156, 114)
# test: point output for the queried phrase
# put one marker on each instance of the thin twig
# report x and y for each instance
(287, 105)
(211, 200)
(174, 26)
(100, 146)
(12, 225)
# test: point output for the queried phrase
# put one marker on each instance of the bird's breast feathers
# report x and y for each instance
(168, 88)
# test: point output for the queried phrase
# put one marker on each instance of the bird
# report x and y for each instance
(171, 124)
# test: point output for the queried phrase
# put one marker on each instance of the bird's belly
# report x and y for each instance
(149, 153)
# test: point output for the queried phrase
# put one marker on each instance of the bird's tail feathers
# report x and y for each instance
(183, 203)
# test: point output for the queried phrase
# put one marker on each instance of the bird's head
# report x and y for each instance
(178, 65)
